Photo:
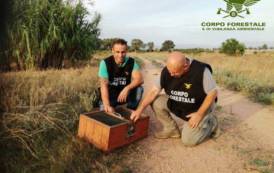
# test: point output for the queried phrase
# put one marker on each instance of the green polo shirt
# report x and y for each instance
(103, 73)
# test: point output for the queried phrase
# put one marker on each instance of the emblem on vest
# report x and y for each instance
(187, 85)
(127, 73)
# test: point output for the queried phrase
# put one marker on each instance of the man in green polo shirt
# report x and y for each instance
(120, 79)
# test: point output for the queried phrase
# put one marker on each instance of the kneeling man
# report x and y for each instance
(120, 79)
(191, 94)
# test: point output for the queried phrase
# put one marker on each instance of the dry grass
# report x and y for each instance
(39, 118)
(40, 109)
(38, 88)
(251, 73)
(257, 67)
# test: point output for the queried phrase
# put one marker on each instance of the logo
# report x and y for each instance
(188, 85)
(235, 8)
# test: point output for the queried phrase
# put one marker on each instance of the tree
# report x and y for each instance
(105, 44)
(150, 46)
(232, 47)
(136, 44)
(264, 46)
(167, 45)
(42, 33)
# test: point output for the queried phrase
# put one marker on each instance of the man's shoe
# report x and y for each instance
(168, 134)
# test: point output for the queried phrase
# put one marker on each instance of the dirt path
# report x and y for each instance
(246, 143)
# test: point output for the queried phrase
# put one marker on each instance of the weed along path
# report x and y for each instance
(246, 143)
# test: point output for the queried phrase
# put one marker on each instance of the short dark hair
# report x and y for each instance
(119, 41)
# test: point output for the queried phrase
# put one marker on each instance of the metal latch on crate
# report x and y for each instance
(131, 125)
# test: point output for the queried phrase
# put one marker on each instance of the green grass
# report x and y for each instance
(263, 166)
(259, 162)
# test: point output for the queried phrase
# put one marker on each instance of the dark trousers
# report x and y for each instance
(133, 99)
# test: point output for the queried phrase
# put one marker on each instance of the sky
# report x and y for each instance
(179, 21)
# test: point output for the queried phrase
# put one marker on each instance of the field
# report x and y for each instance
(40, 111)
(251, 73)
(39, 121)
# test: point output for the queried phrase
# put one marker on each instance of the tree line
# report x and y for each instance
(41, 34)
(139, 45)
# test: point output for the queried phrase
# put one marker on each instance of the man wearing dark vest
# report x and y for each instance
(191, 93)
(120, 79)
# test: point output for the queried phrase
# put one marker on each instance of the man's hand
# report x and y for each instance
(195, 119)
(135, 115)
(109, 109)
(123, 95)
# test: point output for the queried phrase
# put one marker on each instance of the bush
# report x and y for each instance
(232, 47)
(238, 82)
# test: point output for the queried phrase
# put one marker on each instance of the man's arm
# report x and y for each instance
(105, 95)
(149, 98)
(208, 101)
(210, 88)
(103, 75)
(196, 117)
(137, 80)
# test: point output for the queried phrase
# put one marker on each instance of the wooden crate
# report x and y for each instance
(108, 132)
